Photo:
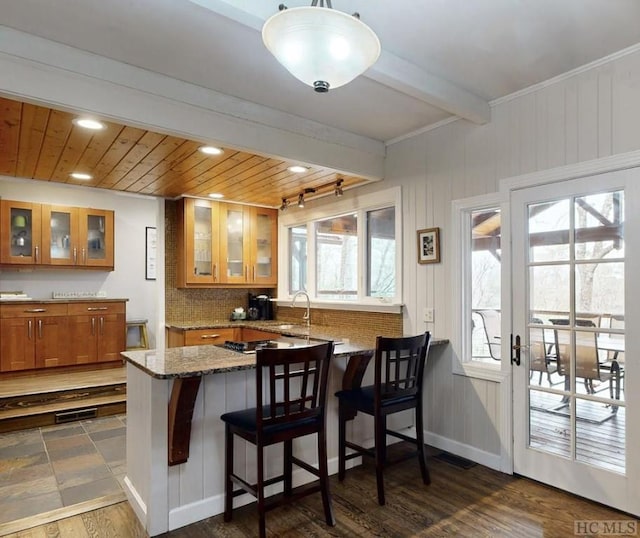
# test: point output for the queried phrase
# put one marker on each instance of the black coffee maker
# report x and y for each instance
(260, 307)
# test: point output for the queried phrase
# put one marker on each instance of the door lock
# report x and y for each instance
(515, 357)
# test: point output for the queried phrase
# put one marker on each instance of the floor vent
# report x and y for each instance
(451, 459)
(78, 414)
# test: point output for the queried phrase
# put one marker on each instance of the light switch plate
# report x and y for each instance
(429, 315)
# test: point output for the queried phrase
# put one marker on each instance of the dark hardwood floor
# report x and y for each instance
(474, 502)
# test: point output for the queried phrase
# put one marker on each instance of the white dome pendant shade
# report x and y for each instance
(320, 46)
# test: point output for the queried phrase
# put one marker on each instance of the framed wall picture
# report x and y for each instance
(429, 245)
(150, 251)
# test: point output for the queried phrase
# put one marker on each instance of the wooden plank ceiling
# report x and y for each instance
(43, 144)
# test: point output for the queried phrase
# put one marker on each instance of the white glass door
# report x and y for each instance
(576, 415)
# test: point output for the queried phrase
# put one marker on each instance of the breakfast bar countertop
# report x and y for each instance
(192, 361)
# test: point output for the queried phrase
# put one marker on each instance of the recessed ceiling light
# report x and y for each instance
(216, 195)
(80, 175)
(88, 123)
(210, 150)
(297, 169)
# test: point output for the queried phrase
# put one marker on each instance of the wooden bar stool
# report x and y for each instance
(399, 373)
(291, 394)
(139, 325)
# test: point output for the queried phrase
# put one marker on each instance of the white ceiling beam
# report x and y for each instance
(405, 77)
(389, 70)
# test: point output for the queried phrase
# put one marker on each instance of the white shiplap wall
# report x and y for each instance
(588, 114)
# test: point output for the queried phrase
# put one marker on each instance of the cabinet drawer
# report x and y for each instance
(77, 309)
(252, 335)
(31, 310)
(198, 337)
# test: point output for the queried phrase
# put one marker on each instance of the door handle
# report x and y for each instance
(515, 357)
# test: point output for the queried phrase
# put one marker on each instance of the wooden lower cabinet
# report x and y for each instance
(97, 332)
(177, 337)
(200, 337)
(45, 335)
(33, 343)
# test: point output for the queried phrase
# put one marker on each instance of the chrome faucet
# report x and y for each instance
(307, 315)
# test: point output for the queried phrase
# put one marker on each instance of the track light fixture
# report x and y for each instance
(326, 188)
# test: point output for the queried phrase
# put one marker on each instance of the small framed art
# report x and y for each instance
(429, 245)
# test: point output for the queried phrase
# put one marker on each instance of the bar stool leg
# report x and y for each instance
(342, 449)
(228, 483)
(262, 527)
(323, 469)
(288, 467)
(381, 454)
(422, 455)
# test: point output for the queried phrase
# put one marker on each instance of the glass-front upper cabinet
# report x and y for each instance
(198, 244)
(60, 235)
(21, 233)
(43, 234)
(226, 243)
(264, 246)
(96, 238)
(234, 232)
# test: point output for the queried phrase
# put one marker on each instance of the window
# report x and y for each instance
(298, 259)
(347, 256)
(478, 294)
(337, 258)
(381, 249)
(485, 284)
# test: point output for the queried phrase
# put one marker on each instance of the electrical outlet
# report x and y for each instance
(428, 315)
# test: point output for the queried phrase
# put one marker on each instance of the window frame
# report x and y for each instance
(462, 363)
(359, 204)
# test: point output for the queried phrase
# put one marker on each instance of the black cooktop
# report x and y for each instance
(250, 347)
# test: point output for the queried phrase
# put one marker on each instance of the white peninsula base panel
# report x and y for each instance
(166, 498)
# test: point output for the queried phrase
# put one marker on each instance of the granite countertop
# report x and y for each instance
(192, 361)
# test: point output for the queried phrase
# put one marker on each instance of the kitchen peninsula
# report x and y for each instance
(166, 495)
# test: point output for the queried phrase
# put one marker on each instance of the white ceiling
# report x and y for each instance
(440, 57)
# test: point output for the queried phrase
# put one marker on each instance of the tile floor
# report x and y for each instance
(57, 466)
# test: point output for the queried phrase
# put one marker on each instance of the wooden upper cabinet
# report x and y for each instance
(96, 238)
(43, 234)
(198, 243)
(60, 235)
(20, 233)
(224, 243)
(235, 227)
(264, 246)
(248, 245)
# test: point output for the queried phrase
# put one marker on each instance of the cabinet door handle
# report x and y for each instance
(39, 328)
(96, 308)
(37, 252)
(254, 273)
(215, 272)
(101, 325)
(84, 255)
(246, 272)
(35, 310)
(30, 329)
(209, 336)
(93, 326)
(75, 255)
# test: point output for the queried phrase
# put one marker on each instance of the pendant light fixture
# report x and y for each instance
(320, 46)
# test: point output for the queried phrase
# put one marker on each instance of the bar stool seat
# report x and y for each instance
(142, 337)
